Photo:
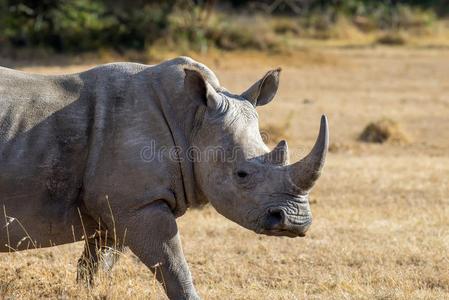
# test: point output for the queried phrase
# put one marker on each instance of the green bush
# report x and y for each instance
(86, 25)
(79, 25)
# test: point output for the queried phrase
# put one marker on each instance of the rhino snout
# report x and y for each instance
(279, 223)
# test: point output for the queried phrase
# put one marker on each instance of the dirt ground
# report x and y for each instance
(381, 211)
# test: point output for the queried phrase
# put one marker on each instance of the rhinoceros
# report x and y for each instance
(115, 154)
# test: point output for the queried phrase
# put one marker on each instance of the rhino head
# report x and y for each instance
(236, 172)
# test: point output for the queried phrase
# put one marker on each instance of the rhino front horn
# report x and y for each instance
(305, 172)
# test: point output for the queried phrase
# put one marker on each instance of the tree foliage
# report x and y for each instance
(83, 25)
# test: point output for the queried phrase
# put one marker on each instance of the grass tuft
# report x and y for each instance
(382, 131)
(391, 39)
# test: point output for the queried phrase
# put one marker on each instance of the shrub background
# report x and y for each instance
(83, 25)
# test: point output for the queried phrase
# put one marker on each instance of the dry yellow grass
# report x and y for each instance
(381, 212)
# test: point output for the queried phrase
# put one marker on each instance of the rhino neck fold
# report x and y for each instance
(180, 140)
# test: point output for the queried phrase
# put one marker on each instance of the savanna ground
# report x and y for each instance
(381, 211)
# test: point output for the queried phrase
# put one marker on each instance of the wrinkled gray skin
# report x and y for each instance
(79, 148)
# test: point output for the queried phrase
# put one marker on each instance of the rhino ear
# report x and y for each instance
(199, 89)
(264, 90)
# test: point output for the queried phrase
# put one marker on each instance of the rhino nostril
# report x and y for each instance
(275, 219)
(242, 174)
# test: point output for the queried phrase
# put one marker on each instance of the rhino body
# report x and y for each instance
(103, 156)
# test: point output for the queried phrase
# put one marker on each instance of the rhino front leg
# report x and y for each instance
(152, 235)
(98, 253)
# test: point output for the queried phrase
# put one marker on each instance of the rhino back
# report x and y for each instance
(44, 132)
(67, 141)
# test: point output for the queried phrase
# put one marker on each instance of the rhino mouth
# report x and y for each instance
(278, 223)
(281, 232)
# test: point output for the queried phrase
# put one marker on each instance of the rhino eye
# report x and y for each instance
(242, 174)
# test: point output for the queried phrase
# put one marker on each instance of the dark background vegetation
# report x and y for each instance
(84, 25)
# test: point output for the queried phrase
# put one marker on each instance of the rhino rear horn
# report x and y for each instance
(305, 172)
(279, 155)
